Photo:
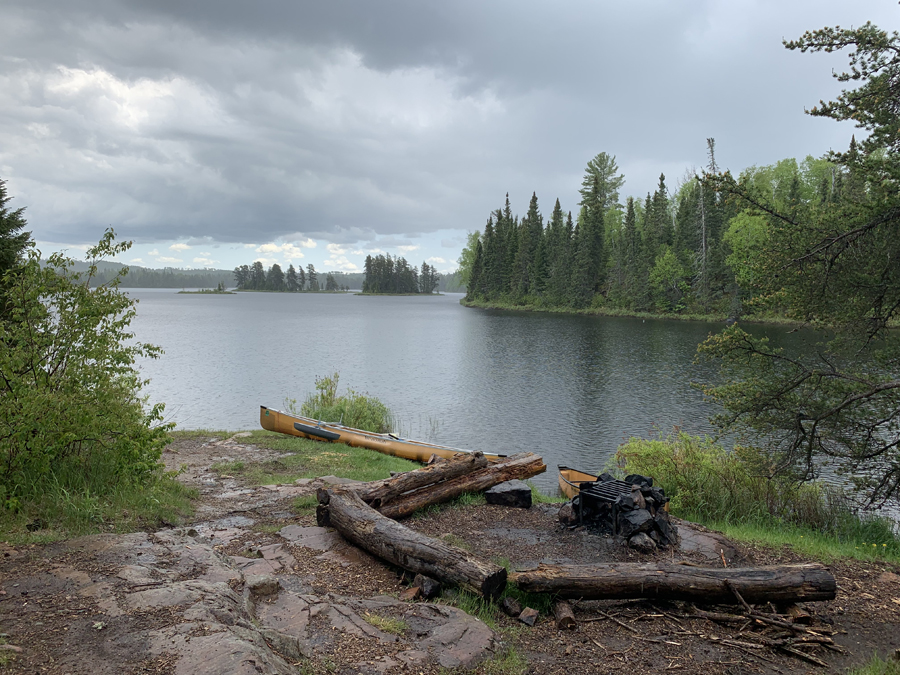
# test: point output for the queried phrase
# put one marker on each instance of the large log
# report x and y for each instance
(611, 581)
(379, 492)
(406, 548)
(523, 465)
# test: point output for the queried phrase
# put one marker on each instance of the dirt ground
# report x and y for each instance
(70, 608)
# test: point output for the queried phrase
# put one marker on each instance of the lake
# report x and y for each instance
(570, 388)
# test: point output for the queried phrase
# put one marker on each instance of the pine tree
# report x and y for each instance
(275, 278)
(312, 277)
(13, 240)
(290, 279)
(257, 276)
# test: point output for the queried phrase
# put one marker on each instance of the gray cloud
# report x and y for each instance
(355, 121)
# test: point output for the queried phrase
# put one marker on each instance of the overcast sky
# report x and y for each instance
(218, 132)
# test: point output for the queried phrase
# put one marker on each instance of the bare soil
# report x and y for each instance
(65, 607)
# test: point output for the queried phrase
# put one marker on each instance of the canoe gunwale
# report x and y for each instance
(389, 444)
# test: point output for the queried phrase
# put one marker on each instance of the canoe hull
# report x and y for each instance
(570, 478)
(304, 427)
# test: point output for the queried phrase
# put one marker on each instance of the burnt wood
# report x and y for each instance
(611, 581)
(523, 465)
(406, 548)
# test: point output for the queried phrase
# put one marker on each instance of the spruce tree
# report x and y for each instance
(13, 240)
(290, 279)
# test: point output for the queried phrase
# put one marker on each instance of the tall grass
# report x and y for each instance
(729, 490)
(351, 409)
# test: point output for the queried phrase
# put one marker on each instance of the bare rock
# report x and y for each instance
(642, 542)
(513, 493)
(567, 515)
(528, 616)
(430, 587)
(511, 607)
(262, 585)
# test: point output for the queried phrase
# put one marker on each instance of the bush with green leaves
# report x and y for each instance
(71, 414)
(709, 484)
(351, 409)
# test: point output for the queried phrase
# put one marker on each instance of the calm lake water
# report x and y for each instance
(570, 388)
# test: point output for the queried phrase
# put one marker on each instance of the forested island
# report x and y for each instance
(296, 280)
(395, 276)
(686, 251)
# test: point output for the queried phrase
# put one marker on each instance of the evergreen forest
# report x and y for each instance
(256, 278)
(685, 249)
(385, 274)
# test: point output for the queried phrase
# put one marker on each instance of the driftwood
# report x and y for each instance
(778, 584)
(406, 548)
(379, 492)
(521, 466)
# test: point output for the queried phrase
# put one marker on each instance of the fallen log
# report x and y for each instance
(565, 617)
(406, 548)
(521, 466)
(611, 581)
(379, 492)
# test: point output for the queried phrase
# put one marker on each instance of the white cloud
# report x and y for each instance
(268, 262)
(288, 250)
(408, 247)
(205, 253)
(168, 261)
(435, 259)
(206, 262)
(139, 261)
(179, 247)
(336, 249)
(339, 262)
(358, 252)
(154, 252)
(249, 245)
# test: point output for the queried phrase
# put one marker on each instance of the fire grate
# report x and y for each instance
(607, 491)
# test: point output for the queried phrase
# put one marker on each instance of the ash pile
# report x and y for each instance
(632, 509)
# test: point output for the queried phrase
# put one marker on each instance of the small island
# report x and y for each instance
(218, 290)
(395, 276)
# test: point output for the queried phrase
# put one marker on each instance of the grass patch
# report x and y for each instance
(62, 513)
(194, 434)
(304, 458)
(305, 505)
(877, 666)
(538, 497)
(387, 624)
(352, 409)
(729, 491)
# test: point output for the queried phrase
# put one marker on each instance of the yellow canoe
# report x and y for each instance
(569, 480)
(389, 444)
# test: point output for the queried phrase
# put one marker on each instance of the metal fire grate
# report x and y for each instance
(605, 492)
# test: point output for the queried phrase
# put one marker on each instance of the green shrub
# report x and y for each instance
(351, 409)
(708, 484)
(71, 413)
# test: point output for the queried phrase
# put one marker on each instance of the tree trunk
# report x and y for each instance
(521, 466)
(398, 544)
(779, 584)
(380, 492)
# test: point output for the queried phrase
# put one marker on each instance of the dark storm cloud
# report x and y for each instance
(349, 121)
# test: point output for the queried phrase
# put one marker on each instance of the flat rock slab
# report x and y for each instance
(513, 493)
(710, 545)
(316, 538)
